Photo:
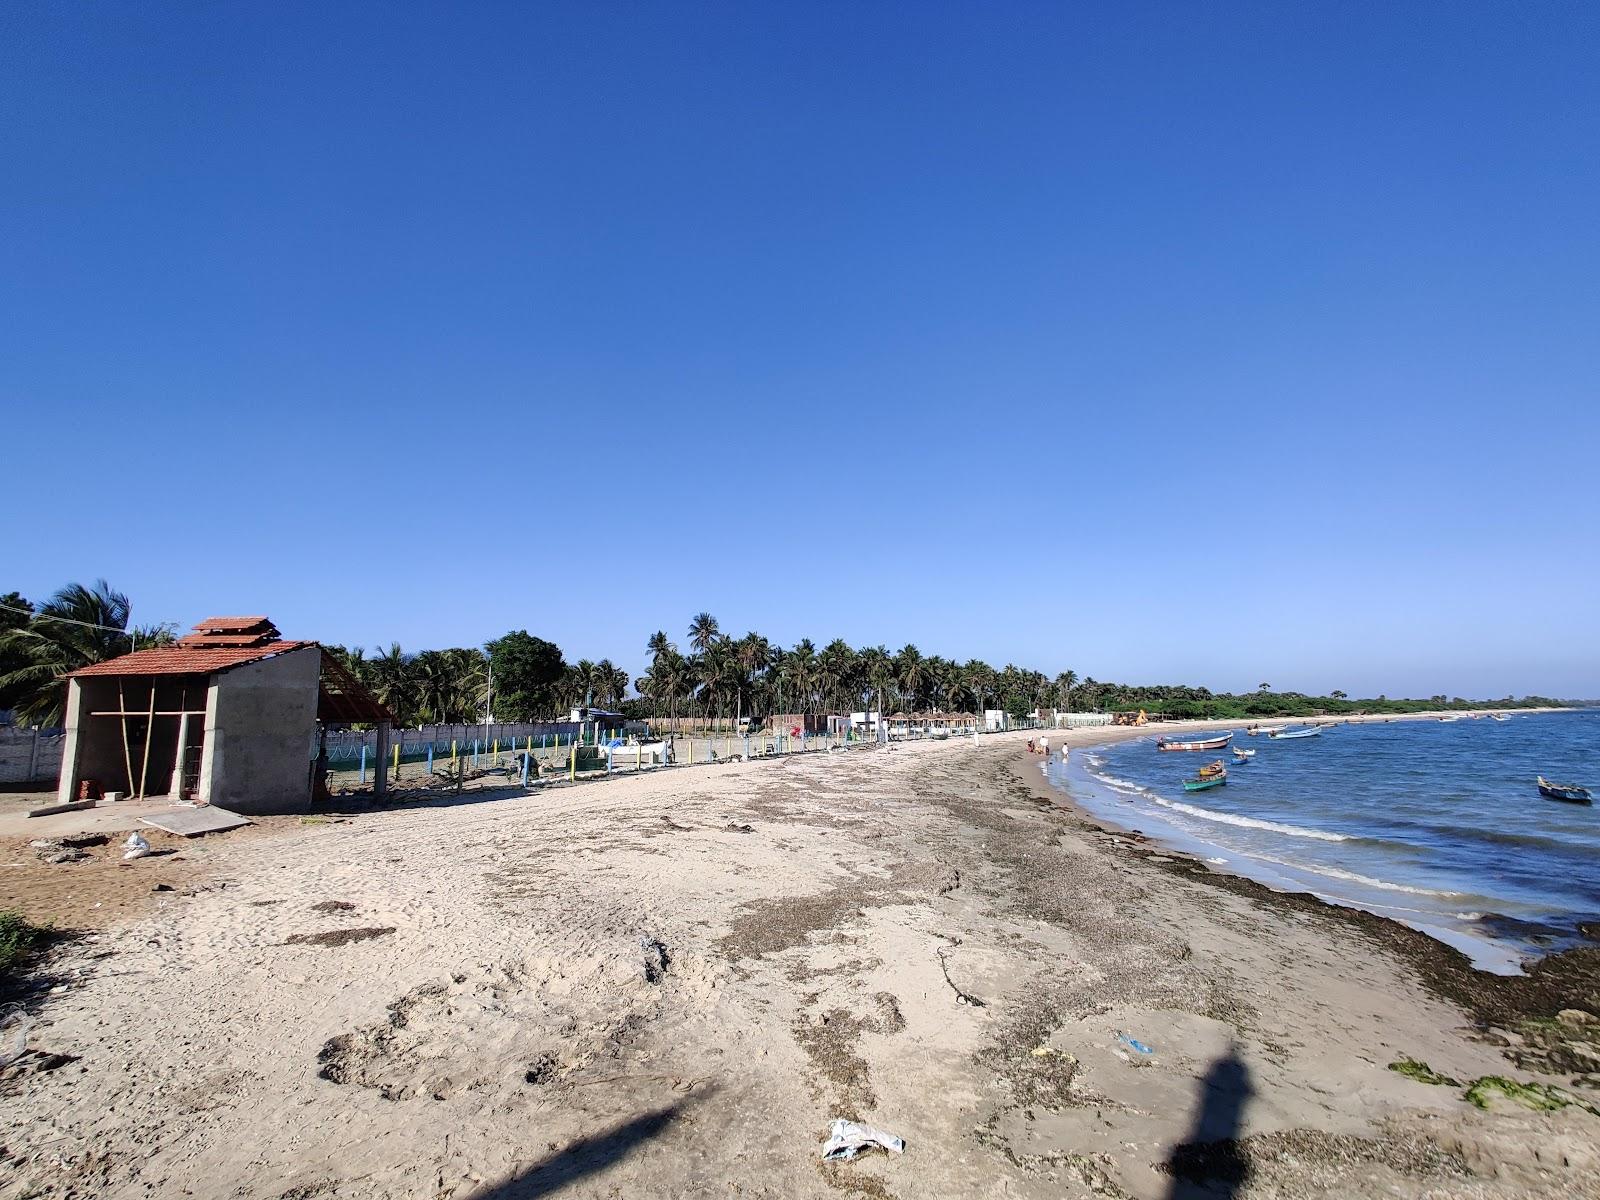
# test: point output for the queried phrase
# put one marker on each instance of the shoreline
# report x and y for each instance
(1549, 983)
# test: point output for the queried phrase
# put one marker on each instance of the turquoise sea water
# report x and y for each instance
(1436, 824)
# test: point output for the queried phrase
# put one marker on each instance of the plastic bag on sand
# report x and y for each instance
(846, 1139)
(135, 846)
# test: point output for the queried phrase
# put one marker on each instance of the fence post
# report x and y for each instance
(363, 779)
(33, 756)
(430, 758)
(397, 758)
(572, 766)
(526, 759)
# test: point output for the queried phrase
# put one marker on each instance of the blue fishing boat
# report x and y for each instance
(1285, 735)
(1570, 792)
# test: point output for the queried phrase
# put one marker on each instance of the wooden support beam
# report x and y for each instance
(149, 728)
(127, 750)
(160, 712)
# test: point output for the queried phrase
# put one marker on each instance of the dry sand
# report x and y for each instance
(668, 985)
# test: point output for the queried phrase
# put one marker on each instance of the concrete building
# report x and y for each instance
(228, 715)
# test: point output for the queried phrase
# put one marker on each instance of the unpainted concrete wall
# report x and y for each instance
(93, 744)
(261, 722)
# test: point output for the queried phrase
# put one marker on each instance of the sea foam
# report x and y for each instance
(1206, 814)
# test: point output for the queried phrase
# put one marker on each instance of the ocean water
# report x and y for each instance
(1437, 824)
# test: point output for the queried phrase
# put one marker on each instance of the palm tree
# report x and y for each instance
(912, 674)
(394, 684)
(752, 653)
(76, 627)
(704, 632)
(1263, 687)
(1067, 680)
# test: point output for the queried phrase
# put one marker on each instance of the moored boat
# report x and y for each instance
(1210, 769)
(1203, 782)
(1243, 755)
(1216, 743)
(1284, 735)
(1570, 792)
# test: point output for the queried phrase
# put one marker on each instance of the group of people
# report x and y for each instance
(1041, 745)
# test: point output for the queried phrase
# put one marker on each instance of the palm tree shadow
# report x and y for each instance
(1209, 1163)
(587, 1155)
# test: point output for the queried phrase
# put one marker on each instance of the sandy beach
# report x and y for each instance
(671, 984)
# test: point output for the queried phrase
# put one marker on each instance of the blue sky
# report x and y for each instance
(1205, 343)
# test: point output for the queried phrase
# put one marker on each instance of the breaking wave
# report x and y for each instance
(1206, 814)
(1354, 877)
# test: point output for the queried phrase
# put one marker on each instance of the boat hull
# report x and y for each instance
(1566, 793)
(1292, 735)
(1201, 785)
(1216, 743)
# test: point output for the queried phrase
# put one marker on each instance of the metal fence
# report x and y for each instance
(30, 755)
(581, 755)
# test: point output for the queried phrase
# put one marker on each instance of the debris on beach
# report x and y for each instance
(1133, 1044)
(135, 847)
(338, 937)
(1540, 1097)
(656, 958)
(1412, 1068)
(846, 1139)
(53, 851)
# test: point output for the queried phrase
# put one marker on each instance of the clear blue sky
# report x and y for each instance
(1205, 343)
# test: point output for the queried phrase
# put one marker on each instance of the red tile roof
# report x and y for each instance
(186, 660)
(231, 624)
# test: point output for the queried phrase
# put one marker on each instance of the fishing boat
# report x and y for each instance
(1285, 735)
(1201, 783)
(1242, 754)
(1216, 743)
(1498, 717)
(1210, 769)
(1269, 730)
(1570, 792)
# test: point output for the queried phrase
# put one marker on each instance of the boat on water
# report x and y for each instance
(1498, 717)
(1202, 782)
(1216, 743)
(1570, 792)
(1243, 755)
(1210, 769)
(1285, 735)
(1269, 730)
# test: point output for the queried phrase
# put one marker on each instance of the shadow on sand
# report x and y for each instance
(1208, 1164)
(588, 1155)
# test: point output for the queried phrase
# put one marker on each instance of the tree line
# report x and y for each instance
(714, 677)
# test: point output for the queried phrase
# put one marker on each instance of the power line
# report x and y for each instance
(43, 616)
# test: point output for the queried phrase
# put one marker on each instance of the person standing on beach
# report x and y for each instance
(1044, 746)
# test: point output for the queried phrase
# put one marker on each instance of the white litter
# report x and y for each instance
(135, 846)
(846, 1139)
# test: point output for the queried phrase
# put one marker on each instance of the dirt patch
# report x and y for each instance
(785, 922)
(830, 1043)
(338, 937)
(327, 906)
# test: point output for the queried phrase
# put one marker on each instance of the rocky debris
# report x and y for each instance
(72, 848)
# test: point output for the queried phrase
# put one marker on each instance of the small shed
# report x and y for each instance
(229, 715)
